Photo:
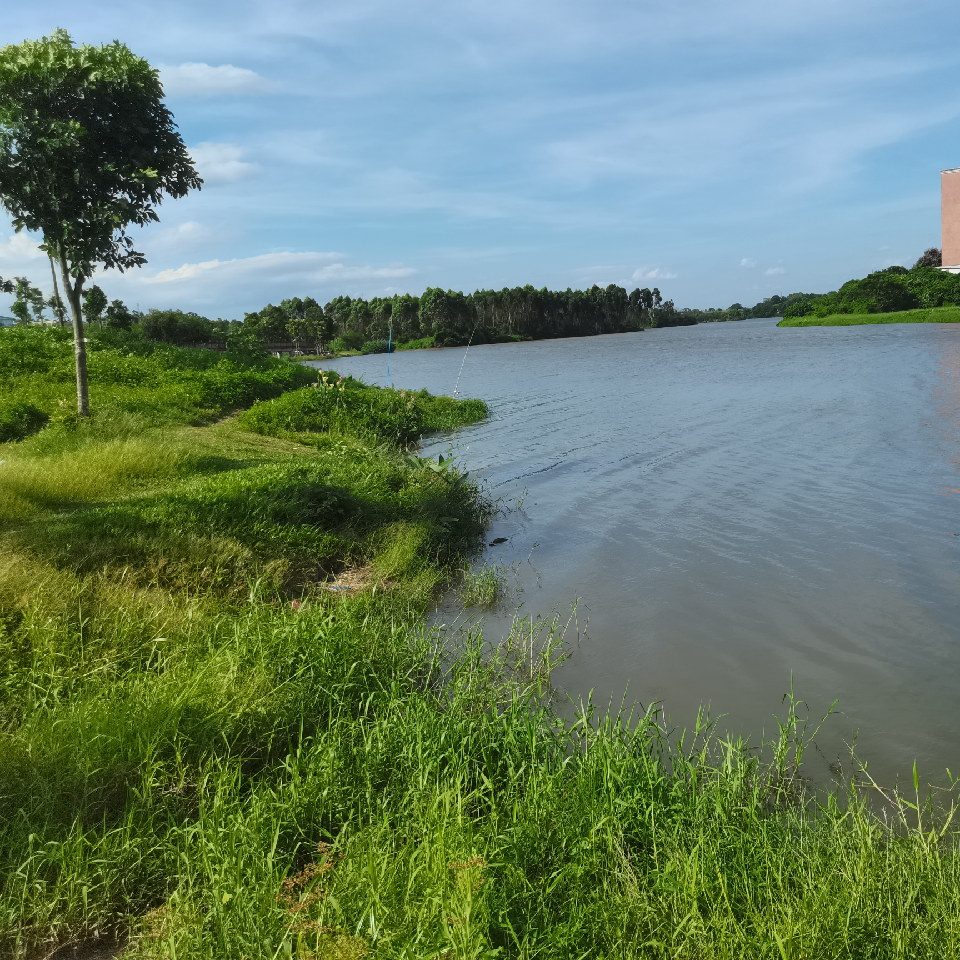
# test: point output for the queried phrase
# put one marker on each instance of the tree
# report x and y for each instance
(29, 301)
(87, 147)
(305, 323)
(175, 326)
(55, 301)
(118, 316)
(269, 324)
(59, 310)
(931, 257)
(94, 303)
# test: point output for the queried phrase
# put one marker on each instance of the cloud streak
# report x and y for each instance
(220, 163)
(309, 266)
(204, 80)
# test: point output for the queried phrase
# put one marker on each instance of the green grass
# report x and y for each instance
(483, 587)
(343, 406)
(149, 384)
(207, 752)
(934, 315)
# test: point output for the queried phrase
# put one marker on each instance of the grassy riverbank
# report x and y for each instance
(934, 315)
(206, 752)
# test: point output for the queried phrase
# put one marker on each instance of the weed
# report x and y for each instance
(483, 587)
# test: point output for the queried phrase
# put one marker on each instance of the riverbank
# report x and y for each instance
(934, 315)
(225, 732)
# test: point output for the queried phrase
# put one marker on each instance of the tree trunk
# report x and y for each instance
(72, 290)
(58, 309)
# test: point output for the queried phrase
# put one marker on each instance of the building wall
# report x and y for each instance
(950, 200)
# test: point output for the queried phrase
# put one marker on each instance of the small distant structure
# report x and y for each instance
(7, 321)
(282, 349)
(950, 208)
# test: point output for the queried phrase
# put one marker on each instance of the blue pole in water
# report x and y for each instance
(389, 342)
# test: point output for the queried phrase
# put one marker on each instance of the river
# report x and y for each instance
(733, 505)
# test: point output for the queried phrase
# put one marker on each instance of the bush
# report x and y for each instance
(175, 326)
(347, 341)
(420, 344)
(20, 420)
(378, 346)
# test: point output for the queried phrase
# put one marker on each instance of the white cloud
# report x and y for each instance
(774, 271)
(203, 80)
(221, 163)
(310, 266)
(748, 262)
(190, 233)
(230, 287)
(19, 250)
(657, 273)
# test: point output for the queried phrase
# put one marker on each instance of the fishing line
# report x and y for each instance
(465, 352)
(389, 341)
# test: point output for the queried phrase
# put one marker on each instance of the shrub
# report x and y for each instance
(175, 326)
(19, 420)
(347, 341)
(420, 344)
(378, 346)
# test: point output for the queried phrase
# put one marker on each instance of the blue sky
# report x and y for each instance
(720, 151)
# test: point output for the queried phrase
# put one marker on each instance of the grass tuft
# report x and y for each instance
(483, 587)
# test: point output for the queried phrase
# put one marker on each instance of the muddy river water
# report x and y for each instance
(732, 505)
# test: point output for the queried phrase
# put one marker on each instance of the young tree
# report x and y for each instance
(29, 301)
(87, 147)
(94, 303)
(59, 310)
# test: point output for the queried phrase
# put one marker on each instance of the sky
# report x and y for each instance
(723, 152)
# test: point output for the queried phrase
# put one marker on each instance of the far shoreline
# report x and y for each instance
(947, 314)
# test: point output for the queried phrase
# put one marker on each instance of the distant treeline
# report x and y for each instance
(438, 317)
(886, 291)
(451, 318)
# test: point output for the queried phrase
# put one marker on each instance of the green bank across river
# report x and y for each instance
(947, 314)
(226, 733)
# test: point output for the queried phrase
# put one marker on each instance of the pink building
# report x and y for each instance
(950, 201)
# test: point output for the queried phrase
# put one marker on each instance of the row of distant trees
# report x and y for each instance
(444, 317)
(30, 306)
(449, 317)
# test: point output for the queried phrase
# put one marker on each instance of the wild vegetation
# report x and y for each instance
(893, 290)
(225, 732)
(933, 315)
